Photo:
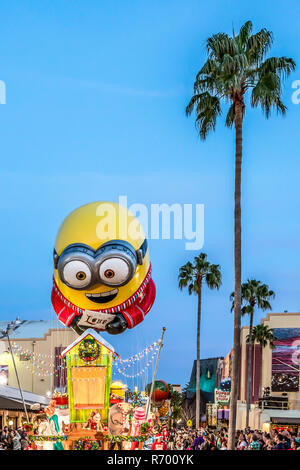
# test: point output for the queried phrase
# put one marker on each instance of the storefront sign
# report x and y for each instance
(222, 397)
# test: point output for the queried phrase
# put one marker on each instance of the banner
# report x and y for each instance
(222, 397)
(285, 360)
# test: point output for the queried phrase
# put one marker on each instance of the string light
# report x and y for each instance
(139, 355)
(141, 372)
(38, 361)
(32, 353)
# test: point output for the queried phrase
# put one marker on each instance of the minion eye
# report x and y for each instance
(81, 276)
(109, 274)
(114, 271)
(77, 274)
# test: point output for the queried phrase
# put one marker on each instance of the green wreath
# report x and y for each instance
(121, 438)
(89, 350)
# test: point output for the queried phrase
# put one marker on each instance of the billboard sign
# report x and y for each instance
(286, 360)
(222, 397)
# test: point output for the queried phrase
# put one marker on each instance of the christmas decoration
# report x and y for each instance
(87, 444)
(162, 391)
(89, 350)
(136, 399)
(47, 438)
(41, 365)
(145, 427)
(125, 438)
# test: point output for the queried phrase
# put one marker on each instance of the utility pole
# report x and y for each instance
(12, 326)
(32, 366)
(155, 370)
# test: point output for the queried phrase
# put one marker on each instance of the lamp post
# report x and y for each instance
(5, 333)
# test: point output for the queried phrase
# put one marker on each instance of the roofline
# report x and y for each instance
(269, 315)
(209, 358)
(44, 338)
(96, 336)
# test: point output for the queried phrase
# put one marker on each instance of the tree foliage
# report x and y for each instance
(237, 65)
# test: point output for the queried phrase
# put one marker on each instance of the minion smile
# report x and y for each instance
(103, 297)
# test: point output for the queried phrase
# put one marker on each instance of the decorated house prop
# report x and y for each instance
(89, 366)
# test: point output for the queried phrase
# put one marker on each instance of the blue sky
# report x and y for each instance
(96, 93)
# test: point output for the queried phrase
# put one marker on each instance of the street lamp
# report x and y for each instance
(11, 327)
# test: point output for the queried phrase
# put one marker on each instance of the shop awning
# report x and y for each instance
(282, 420)
(12, 405)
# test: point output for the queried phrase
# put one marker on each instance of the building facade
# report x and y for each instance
(209, 380)
(275, 387)
(37, 347)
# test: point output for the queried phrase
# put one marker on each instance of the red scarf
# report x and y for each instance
(133, 309)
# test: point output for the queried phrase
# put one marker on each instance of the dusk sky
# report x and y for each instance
(95, 108)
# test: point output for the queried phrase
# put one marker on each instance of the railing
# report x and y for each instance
(279, 403)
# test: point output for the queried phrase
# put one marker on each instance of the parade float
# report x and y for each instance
(102, 282)
(89, 364)
(93, 414)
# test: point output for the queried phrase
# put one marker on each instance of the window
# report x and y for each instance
(88, 387)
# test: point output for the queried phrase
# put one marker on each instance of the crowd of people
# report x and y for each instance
(187, 439)
(206, 439)
(13, 439)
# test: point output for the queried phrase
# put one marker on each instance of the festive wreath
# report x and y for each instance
(125, 438)
(47, 438)
(87, 444)
(89, 350)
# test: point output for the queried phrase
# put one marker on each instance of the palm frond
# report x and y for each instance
(267, 94)
(245, 33)
(208, 110)
(218, 45)
(235, 65)
(258, 45)
(281, 66)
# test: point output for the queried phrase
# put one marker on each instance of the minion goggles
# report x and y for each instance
(94, 267)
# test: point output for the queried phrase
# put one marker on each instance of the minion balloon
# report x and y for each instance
(102, 271)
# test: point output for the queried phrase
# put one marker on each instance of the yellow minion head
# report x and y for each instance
(100, 256)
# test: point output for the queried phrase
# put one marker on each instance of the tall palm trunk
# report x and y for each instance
(249, 371)
(237, 272)
(261, 370)
(198, 396)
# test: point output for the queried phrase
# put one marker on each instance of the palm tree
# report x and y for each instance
(191, 275)
(236, 65)
(176, 405)
(263, 335)
(254, 294)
